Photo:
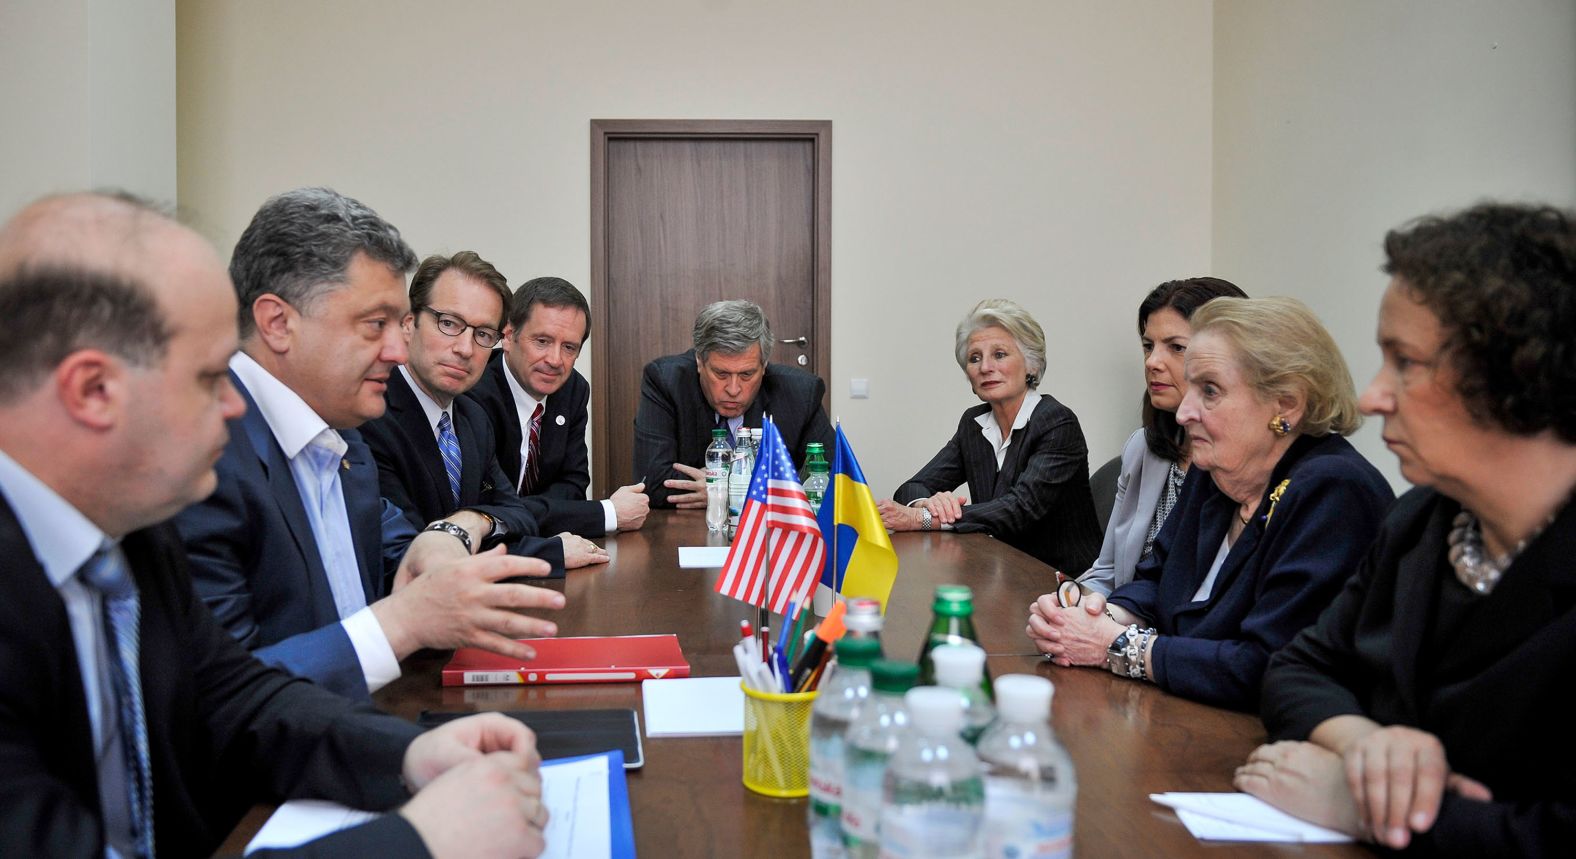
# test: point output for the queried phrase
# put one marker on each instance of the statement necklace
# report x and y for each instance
(1480, 573)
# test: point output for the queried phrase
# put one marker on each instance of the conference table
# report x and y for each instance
(1128, 739)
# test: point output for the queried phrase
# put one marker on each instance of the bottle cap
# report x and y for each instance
(953, 601)
(958, 665)
(864, 615)
(813, 448)
(934, 711)
(893, 677)
(719, 432)
(1024, 698)
(857, 652)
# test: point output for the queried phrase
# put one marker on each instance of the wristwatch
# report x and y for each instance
(1122, 653)
(452, 529)
(924, 518)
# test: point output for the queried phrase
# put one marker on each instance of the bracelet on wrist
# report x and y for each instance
(453, 530)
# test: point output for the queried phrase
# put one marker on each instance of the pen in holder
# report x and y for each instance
(777, 742)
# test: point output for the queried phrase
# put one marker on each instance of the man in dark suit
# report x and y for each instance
(536, 401)
(286, 552)
(130, 723)
(724, 381)
(435, 451)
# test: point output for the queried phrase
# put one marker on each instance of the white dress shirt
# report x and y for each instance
(524, 406)
(63, 540)
(993, 434)
(295, 426)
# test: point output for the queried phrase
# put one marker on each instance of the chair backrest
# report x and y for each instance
(1102, 485)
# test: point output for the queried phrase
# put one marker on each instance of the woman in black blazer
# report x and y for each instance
(1435, 694)
(1022, 453)
(1269, 523)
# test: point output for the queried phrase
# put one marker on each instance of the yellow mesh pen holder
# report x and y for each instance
(777, 742)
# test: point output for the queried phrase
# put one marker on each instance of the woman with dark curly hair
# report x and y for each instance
(1435, 694)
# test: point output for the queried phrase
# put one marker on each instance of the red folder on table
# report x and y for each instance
(587, 659)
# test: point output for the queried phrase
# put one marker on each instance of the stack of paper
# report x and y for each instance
(1240, 817)
(694, 707)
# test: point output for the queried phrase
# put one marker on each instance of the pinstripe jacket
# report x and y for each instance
(1038, 501)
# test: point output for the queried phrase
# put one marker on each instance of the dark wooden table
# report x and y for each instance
(1128, 739)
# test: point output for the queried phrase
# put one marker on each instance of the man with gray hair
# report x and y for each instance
(297, 554)
(724, 382)
(131, 724)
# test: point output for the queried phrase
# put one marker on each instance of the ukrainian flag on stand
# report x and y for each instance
(860, 561)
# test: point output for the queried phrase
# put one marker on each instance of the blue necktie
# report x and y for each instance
(122, 614)
(449, 446)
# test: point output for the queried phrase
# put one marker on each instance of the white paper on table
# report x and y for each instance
(693, 707)
(1241, 817)
(702, 557)
(579, 822)
(302, 820)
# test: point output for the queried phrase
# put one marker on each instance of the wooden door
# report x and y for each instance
(684, 213)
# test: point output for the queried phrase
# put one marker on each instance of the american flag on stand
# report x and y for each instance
(777, 553)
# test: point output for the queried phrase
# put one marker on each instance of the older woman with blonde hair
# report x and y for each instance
(1271, 520)
(1021, 452)
(1429, 708)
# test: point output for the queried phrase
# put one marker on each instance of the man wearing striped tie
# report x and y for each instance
(131, 724)
(434, 449)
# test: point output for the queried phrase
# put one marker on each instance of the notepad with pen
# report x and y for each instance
(583, 659)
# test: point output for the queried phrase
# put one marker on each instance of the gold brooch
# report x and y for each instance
(344, 464)
(1275, 498)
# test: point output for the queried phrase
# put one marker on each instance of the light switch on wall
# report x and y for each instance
(859, 389)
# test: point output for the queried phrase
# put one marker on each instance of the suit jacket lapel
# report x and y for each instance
(412, 421)
(473, 459)
(287, 495)
(506, 421)
(364, 506)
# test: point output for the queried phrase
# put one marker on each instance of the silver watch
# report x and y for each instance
(924, 518)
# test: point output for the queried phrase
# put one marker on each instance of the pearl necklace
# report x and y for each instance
(1480, 573)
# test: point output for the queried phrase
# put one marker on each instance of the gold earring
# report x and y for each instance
(1279, 425)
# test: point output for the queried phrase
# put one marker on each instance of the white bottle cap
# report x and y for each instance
(958, 665)
(1024, 698)
(934, 711)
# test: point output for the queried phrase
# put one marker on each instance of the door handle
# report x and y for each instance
(800, 341)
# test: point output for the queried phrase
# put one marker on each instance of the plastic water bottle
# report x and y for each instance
(961, 667)
(872, 738)
(719, 455)
(933, 798)
(818, 475)
(740, 469)
(842, 696)
(1030, 786)
(952, 622)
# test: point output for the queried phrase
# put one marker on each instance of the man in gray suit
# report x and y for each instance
(725, 382)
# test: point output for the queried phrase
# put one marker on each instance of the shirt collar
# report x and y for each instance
(987, 421)
(429, 406)
(61, 537)
(292, 421)
(524, 403)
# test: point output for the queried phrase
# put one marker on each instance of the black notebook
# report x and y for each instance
(570, 733)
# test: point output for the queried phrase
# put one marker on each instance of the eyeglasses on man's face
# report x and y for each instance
(454, 326)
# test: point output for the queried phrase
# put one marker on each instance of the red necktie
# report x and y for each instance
(532, 451)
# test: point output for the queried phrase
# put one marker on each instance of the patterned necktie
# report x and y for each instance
(449, 446)
(122, 615)
(532, 459)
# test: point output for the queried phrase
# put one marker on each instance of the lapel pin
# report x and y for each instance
(559, 420)
(344, 464)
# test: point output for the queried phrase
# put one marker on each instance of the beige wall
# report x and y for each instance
(1054, 153)
(87, 92)
(1338, 120)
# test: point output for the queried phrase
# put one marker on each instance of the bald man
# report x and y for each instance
(130, 723)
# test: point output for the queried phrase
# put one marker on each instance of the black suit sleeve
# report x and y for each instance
(656, 437)
(944, 472)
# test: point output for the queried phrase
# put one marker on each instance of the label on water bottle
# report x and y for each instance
(936, 830)
(826, 771)
(862, 774)
(1022, 823)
